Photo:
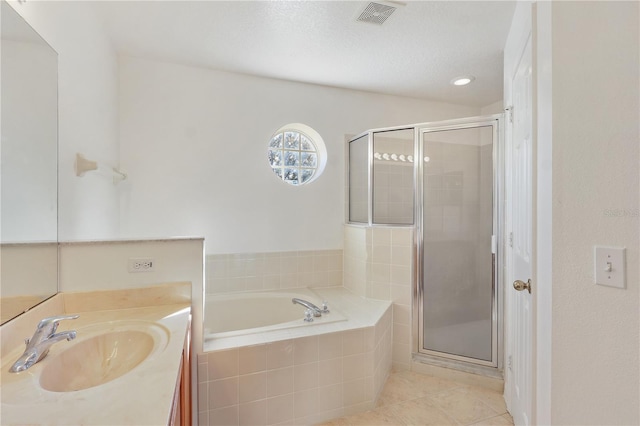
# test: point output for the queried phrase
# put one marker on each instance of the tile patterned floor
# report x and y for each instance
(416, 399)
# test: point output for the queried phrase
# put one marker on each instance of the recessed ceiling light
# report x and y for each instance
(462, 80)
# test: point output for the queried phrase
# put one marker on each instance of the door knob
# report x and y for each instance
(521, 285)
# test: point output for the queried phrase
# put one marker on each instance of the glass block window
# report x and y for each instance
(296, 154)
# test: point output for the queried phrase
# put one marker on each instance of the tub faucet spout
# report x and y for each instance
(317, 312)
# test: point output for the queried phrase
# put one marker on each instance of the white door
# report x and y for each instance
(520, 206)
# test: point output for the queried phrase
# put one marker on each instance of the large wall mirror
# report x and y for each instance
(28, 167)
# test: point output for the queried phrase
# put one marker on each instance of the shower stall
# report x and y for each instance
(442, 180)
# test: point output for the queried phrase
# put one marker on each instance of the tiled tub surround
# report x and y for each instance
(142, 396)
(378, 265)
(299, 376)
(272, 271)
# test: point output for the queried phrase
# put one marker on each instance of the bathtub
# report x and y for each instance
(262, 364)
(243, 314)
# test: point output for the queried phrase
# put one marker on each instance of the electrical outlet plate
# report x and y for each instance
(141, 265)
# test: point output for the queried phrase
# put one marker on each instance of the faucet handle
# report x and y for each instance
(308, 315)
(325, 307)
(52, 322)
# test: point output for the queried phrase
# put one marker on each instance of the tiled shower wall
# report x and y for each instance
(393, 192)
(272, 271)
(393, 177)
(378, 265)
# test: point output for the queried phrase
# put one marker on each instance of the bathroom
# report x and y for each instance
(192, 141)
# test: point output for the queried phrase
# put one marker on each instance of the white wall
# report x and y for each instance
(595, 334)
(195, 143)
(494, 108)
(87, 113)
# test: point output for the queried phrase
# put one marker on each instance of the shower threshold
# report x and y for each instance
(463, 366)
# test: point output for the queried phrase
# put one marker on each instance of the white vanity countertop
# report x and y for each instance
(143, 396)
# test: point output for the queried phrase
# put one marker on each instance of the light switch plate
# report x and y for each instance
(610, 266)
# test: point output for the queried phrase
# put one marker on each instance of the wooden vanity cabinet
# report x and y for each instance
(181, 407)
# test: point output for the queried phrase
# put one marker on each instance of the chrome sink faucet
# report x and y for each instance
(43, 338)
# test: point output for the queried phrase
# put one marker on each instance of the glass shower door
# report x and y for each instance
(456, 277)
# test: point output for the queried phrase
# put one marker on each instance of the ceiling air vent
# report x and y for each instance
(376, 13)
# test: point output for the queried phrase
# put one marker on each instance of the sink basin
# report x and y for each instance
(96, 360)
(101, 356)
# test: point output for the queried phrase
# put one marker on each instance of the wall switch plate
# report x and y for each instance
(610, 266)
(141, 265)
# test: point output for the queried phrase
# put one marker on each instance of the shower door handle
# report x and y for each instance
(521, 285)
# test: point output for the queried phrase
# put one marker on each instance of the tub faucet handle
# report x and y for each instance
(325, 307)
(308, 315)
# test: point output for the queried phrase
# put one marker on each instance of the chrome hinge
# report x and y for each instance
(510, 239)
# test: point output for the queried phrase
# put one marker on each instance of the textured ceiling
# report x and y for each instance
(416, 52)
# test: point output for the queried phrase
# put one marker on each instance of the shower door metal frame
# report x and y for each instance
(419, 352)
(370, 133)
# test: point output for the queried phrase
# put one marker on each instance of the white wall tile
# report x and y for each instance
(203, 397)
(353, 342)
(253, 413)
(305, 403)
(305, 350)
(252, 359)
(227, 416)
(379, 291)
(401, 314)
(380, 272)
(330, 397)
(353, 367)
(222, 364)
(354, 392)
(280, 381)
(274, 270)
(330, 346)
(402, 236)
(401, 255)
(252, 387)
(382, 236)
(400, 275)
(280, 409)
(330, 371)
(400, 294)
(381, 254)
(305, 376)
(203, 367)
(223, 392)
(280, 354)
(369, 339)
(401, 354)
(401, 333)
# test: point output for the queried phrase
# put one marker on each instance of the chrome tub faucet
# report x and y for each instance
(43, 338)
(317, 312)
